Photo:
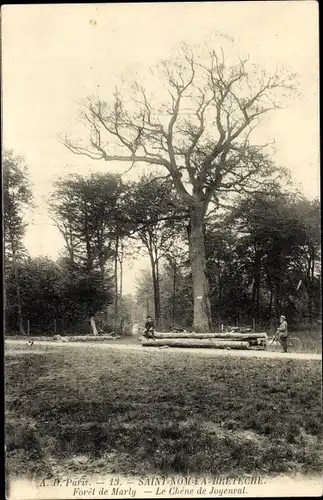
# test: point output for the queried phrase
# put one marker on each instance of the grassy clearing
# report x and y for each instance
(144, 412)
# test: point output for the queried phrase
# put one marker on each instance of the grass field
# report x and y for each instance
(159, 412)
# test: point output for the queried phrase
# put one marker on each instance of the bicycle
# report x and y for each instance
(294, 344)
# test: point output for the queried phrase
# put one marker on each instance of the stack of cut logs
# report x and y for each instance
(222, 340)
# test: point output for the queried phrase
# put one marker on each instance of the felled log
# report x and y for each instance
(91, 338)
(208, 343)
(221, 335)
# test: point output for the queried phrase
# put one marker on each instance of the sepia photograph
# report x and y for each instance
(162, 250)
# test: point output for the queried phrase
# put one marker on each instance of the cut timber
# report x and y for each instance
(209, 343)
(72, 338)
(91, 338)
(226, 336)
(93, 326)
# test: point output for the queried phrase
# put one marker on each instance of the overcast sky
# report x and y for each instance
(55, 55)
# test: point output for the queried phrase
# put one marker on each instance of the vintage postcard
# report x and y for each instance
(162, 271)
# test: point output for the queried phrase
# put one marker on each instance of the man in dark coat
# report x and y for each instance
(149, 328)
(283, 332)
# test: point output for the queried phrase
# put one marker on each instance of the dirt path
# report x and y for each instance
(173, 350)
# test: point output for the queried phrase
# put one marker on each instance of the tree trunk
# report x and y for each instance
(4, 304)
(310, 287)
(256, 284)
(121, 277)
(155, 276)
(93, 326)
(19, 307)
(89, 257)
(121, 289)
(270, 305)
(219, 316)
(310, 309)
(258, 304)
(277, 304)
(271, 299)
(116, 302)
(202, 321)
(174, 293)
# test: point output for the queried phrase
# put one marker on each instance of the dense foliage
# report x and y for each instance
(263, 260)
(262, 257)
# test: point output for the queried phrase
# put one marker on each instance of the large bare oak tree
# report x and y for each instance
(197, 124)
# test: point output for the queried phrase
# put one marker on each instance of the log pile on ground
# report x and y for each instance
(70, 338)
(222, 340)
(92, 338)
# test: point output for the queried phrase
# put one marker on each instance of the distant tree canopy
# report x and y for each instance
(63, 294)
(257, 262)
(263, 260)
(156, 218)
(17, 198)
(262, 254)
(85, 210)
(55, 297)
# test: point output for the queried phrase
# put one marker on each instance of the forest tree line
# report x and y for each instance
(262, 255)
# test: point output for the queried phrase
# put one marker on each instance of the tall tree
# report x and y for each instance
(55, 296)
(86, 210)
(40, 292)
(83, 208)
(280, 243)
(199, 128)
(227, 269)
(309, 261)
(17, 197)
(177, 260)
(144, 295)
(156, 219)
(85, 293)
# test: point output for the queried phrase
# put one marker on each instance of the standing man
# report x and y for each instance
(283, 332)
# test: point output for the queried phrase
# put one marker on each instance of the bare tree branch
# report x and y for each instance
(202, 135)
